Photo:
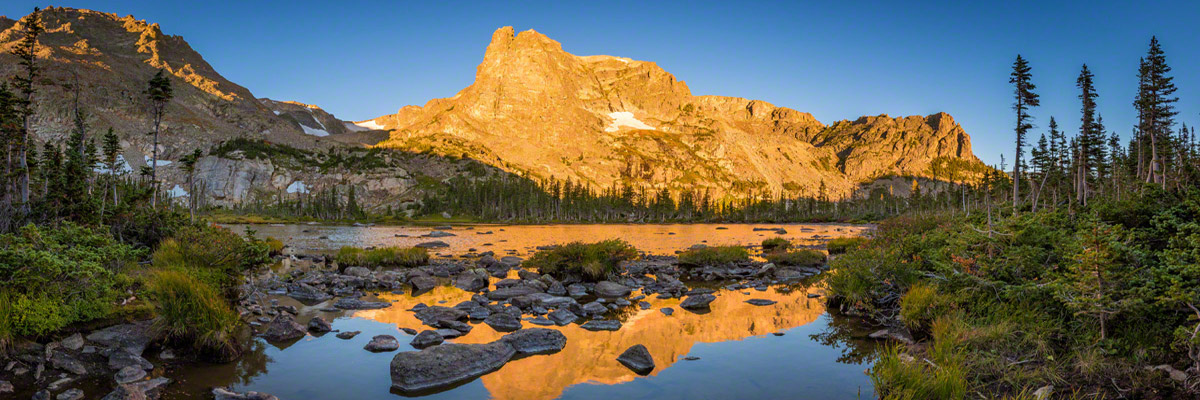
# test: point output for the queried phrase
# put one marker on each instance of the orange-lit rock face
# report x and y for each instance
(605, 120)
(591, 357)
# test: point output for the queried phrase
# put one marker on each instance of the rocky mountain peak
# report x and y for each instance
(606, 120)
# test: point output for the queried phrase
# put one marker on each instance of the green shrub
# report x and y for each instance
(589, 261)
(191, 311)
(806, 258)
(921, 305)
(713, 256)
(842, 245)
(405, 257)
(52, 277)
(940, 376)
(776, 244)
(274, 246)
(211, 254)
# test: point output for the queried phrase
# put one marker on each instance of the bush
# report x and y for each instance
(842, 245)
(274, 246)
(807, 258)
(52, 277)
(713, 256)
(921, 305)
(191, 311)
(941, 376)
(776, 244)
(211, 254)
(406, 257)
(588, 261)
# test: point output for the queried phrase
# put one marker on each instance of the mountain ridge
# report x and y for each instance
(607, 120)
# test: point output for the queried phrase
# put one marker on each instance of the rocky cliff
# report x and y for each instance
(110, 58)
(606, 120)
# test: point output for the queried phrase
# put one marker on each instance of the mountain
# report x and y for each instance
(604, 120)
(257, 148)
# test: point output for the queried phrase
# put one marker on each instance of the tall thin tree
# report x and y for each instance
(26, 52)
(1025, 98)
(159, 93)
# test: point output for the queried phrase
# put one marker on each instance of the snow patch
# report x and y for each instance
(297, 187)
(355, 128)
(370, 124)
(123, 167)
(177, 192)
(625, 118)
(314, 132)
(160, 163)
(276, 112)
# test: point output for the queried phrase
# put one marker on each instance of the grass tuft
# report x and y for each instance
(713, 256)
(842, 245)
(191, 311)
(588, 261)
(776, 244)
(804, 258)
(404, 257)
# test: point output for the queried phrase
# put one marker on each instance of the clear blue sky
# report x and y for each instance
(836, 60)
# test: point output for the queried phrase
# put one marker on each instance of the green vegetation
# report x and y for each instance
(775, 244)
(213, 255)
(192, 311)
(842, 245)
(588, 261)
(803, 257)
(406, 257)
(1078, 300)
(52, 277)
(713, 256)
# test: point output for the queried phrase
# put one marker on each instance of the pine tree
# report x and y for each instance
(1025, 99)
(159, 93)
(1088, 133)
(26, 52)
(1156, 109)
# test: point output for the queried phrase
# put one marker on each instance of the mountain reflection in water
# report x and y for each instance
(591, 357)
(820, 357)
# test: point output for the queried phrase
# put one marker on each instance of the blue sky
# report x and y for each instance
(836, 60)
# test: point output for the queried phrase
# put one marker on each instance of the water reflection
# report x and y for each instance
(661, 239)
(819, 356)
(590, 357)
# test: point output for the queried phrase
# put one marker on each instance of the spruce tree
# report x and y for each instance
(1156, 109)
(159, 93)
(1089, 133)
(1025, 99)
(26, 52)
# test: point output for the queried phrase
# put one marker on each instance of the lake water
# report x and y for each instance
(740, 355)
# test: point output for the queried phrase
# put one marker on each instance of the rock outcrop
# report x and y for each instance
(537, 109)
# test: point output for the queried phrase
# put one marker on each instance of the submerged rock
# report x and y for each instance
(697, 301)
(536, 340)
(760, 302)
(284, 327)
(226, 394)
(426, 339)
(637, 359)
(611, 289)
(130, 374)
(319, 325)
(382, 343)
(446, 364)
(503, 322)
(348, 334)
(304, 292)
(356, 304)
(602, 325)
(150, 389)
(562, 317)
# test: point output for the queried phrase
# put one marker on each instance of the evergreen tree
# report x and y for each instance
(1156, 109)
(159, 93)
(26, 52)
(1025, 99)
(1089, 133)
